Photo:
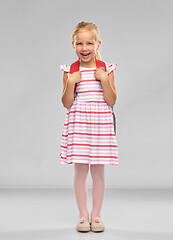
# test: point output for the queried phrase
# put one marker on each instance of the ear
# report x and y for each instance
(73, 43)
(98, 45)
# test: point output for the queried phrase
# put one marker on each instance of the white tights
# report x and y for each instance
(98, 188)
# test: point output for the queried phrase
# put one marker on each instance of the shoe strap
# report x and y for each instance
(97, 219)
(82, 219)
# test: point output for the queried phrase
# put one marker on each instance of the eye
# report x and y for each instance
(78, 43)
(90, 43)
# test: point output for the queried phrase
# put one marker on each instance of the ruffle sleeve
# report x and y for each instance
(65, 68)
(111, 67)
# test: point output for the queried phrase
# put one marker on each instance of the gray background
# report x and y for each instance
(35, 40)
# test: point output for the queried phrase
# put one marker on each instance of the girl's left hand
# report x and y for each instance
(100, 74)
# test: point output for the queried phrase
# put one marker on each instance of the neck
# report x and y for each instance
(90, 64)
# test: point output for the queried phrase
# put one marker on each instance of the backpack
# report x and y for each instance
(99, 64)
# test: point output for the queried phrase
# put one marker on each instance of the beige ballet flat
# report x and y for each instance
(83, 225)
(97, 225)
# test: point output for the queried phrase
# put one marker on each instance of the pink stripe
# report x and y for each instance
(108, 154)
(88, 123)
(88, 91)
(87, 71)
(77, 111)
(90, 81)
(80, 144)
(91, 101)
(112, 153)
(90, 94)
(90, 134)
(98, 139)
(73, 155)
(106, 128)
(63, 150)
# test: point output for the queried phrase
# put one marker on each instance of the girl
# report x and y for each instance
(88, 134)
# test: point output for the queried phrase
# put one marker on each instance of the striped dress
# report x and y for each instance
(88, 133)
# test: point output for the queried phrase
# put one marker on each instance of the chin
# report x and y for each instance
(87, 60)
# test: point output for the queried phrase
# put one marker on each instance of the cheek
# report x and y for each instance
(77, 50)
(92, 49)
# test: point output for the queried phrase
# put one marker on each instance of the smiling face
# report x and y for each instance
(85, 47)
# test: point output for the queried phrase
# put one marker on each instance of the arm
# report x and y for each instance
(108, 84)
(67, 97)
(109, 89)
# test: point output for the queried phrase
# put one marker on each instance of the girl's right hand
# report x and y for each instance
(74, 77)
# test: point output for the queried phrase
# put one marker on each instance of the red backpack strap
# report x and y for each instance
(101, 64)
(75, 68)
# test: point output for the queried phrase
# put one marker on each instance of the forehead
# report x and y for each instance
(85, 36)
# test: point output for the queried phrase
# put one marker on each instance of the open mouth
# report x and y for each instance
(85, 54)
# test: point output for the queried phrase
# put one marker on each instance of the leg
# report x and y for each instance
(80, 186)
(97, 173)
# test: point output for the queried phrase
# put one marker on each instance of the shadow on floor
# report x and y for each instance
(72, 234)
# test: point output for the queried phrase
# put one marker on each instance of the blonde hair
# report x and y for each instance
(87, 26)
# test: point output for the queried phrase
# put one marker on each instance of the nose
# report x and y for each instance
(84, 47)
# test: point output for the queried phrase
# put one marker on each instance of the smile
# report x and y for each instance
(85, 54)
